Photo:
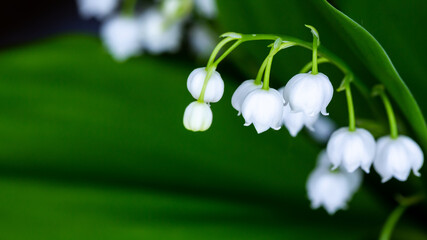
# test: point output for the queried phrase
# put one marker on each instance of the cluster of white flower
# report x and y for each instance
(156, 29)
(301, 102)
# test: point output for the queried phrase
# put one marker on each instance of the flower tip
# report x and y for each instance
(416, 173)
(385, 179)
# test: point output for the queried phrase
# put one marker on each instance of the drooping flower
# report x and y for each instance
(295, 121)
(157, 35)
(241, 92)
(308, 93)
(351, 149)
(197, 116)
(214, 88)
(264, 109)
(207, 8)
(120, 35)
(323, 129)
(98, 9)
(202, 40)
(331, 189)
(396, 157)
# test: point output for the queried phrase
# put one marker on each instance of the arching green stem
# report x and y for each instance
(351, 116)
(217, 49)
(378, 90)
(209, 72)
(309, 65)
(266, 84)
(391, 221)
(258, 79)
(391, 118)
(229, 50)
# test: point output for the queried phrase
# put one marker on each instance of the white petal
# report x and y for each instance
(334, 147)
(214, 89)
(241, 92)
(414, 152)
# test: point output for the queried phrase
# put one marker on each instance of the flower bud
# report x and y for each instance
(214, 88)
(396, 158)
(351, 149)
(121, 36)
(308, 93)
(263, 108)
(331, 189)
(197, 116)
(241, 92)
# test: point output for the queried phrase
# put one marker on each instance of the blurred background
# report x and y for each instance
(92, 144)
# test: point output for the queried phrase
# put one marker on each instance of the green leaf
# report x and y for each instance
(378, 62)
(73, 116)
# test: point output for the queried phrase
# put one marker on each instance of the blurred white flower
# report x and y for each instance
(98, 9)
(120, 35)
(323, 128)
(295, 121)
(396, 158)
(241, 92)
(308, 93)
(351, 149)
(263, 108)
(197, 116)
(202, 40)
(214, 88)
(206, 8)
(331, 189)
(157, 35)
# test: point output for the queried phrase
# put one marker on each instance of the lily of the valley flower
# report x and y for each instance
(396, 157)
(295, 121)
(197, 116)
(214, 88)
(264, 109)
(331, 189)
(120, 34)
(308, 93)
(241, 92)
(157, 34)
(351, 149)
(98, 9)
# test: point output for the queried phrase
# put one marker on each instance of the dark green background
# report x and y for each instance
(94, 149)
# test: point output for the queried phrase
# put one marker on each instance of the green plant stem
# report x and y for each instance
(309, 65)
(209, 72)
(258, 78)
(266, 83)
(390, 114)
(229, 50)
(396, 214)
(351, 116)
(217, 49)
(314, 70)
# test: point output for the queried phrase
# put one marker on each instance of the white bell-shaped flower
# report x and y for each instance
(331, 189)
(241, 92)
(396, 157)
(202, 40)
(207, 8)
(157, 35)
(197, 116)
(263, 109)
(121, 36)
(98, 9)
(295, 121)
(308, 93)
(214, 88)
(351, 149)
(323, 129)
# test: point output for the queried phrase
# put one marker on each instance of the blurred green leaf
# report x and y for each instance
(71, 114)
(377, 61)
